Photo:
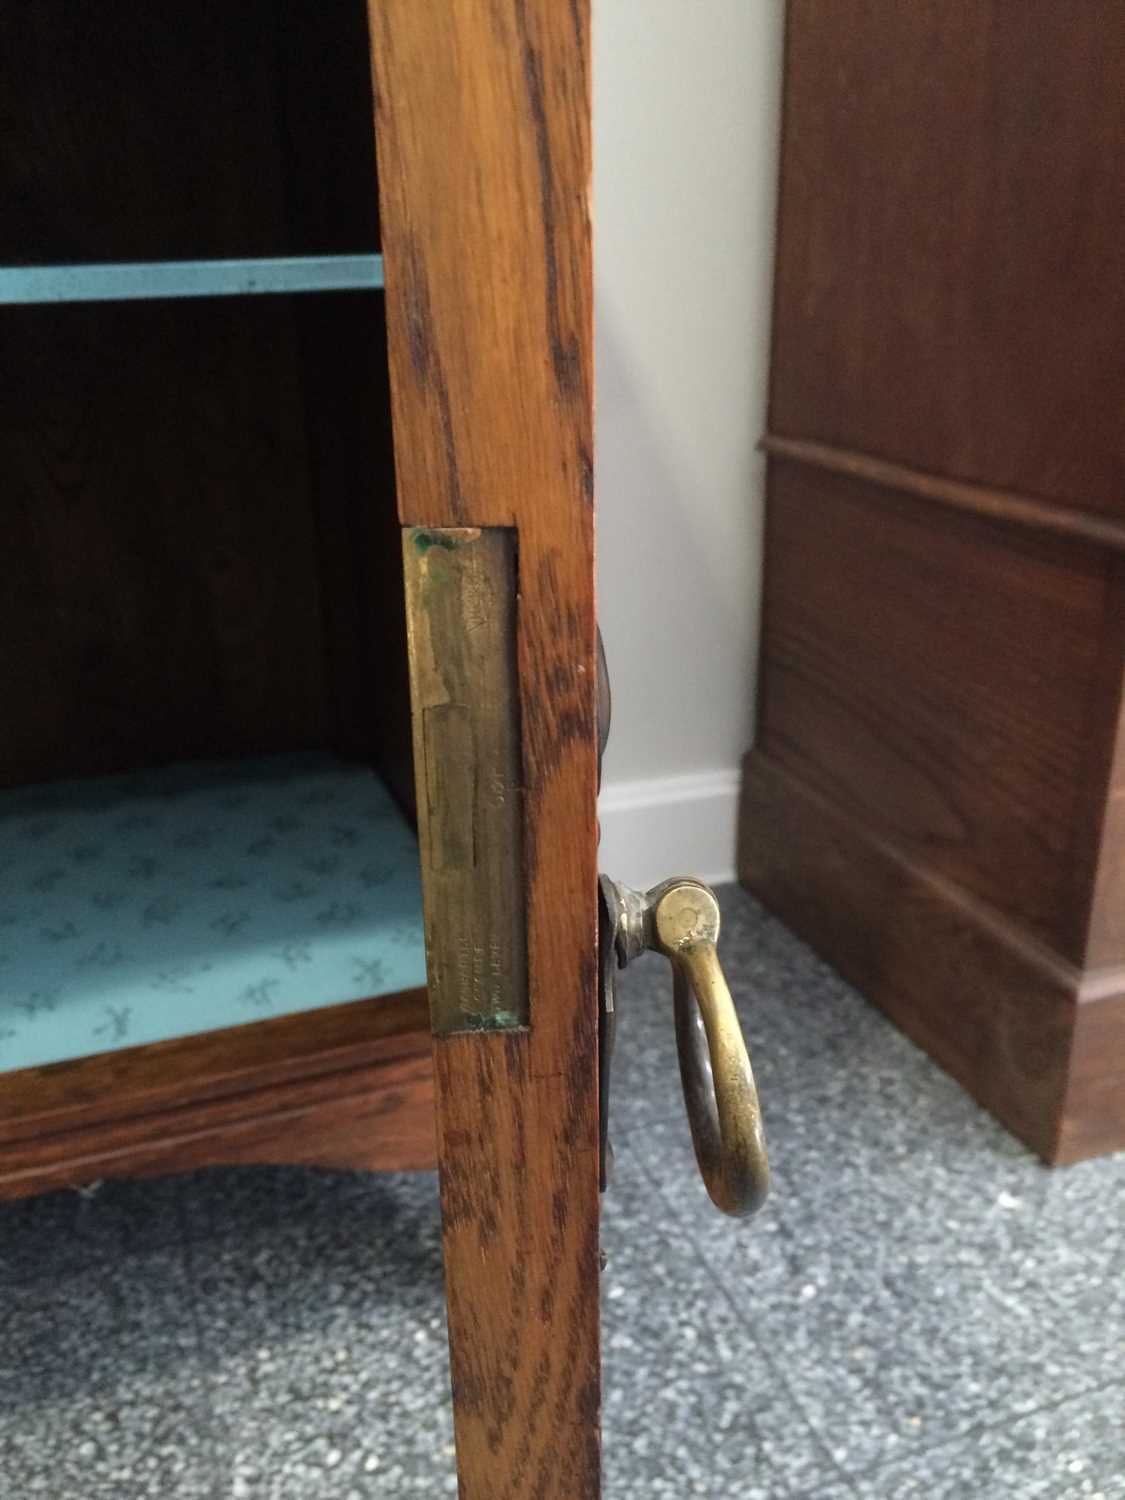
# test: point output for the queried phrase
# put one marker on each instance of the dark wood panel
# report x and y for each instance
(951, 271)
(994, 1009)
(165, 603)
(135, 131)
(937, 675)
(343, 372)
(331, 189)
(331, 192)
(938, 788)
(344, 1086)
(483, 130)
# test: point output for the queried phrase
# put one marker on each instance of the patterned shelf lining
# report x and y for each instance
(166, 903)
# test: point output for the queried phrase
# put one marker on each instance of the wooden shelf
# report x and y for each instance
(146, 281)
(348, 1086)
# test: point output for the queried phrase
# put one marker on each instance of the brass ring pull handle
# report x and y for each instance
(719, 1089)
(680, 918)
(718, 1081)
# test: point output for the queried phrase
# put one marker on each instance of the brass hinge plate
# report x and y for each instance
(461, 587)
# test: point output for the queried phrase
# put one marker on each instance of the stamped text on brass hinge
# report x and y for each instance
(461, 620)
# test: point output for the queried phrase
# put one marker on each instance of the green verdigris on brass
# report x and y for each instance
(461, 587)
(424, 539)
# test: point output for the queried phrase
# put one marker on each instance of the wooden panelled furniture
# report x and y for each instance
(200, 567)
(233, 469)
(203, 566)
(935, 796)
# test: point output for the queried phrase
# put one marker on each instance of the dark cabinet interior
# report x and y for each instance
(200, 492)
(202, 558)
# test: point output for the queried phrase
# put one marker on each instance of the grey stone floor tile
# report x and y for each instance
(101, 1386)
(323, 1322)
(921, 1309)
(915, 1267)
(68, 1336)
(231, 1202)
(239, 1201)
(366, 1414)
(54, 1235)
(691, 1407)
(350, 1250)
(1075, 1450)
(141, 1439)
(60, 1233)
(891, 1320)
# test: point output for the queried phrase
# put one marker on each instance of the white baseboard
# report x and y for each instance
(670, 825)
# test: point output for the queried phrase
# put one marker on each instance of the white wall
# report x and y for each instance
(686, 101)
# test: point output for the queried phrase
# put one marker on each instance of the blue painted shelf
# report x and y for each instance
(141, 281)
(166, 903)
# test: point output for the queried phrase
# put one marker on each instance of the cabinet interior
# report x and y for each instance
(203, 587)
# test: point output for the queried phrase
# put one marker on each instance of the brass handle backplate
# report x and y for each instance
(680, 919)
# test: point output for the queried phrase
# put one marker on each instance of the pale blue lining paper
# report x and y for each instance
(139, 908)
(148, 280)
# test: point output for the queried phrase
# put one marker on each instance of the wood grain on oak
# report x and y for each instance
(483, 139)
(344, 1086)
(952, 263)
(935, 797)
(964, 983)
(931, 674)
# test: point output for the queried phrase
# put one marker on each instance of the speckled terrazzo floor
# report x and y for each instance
(921, 1310)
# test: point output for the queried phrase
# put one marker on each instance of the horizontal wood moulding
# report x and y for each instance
(345, 1086)
(981, 500)
(232, 1062)
(1010, 1020)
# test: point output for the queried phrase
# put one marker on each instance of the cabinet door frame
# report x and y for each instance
(482, 111)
